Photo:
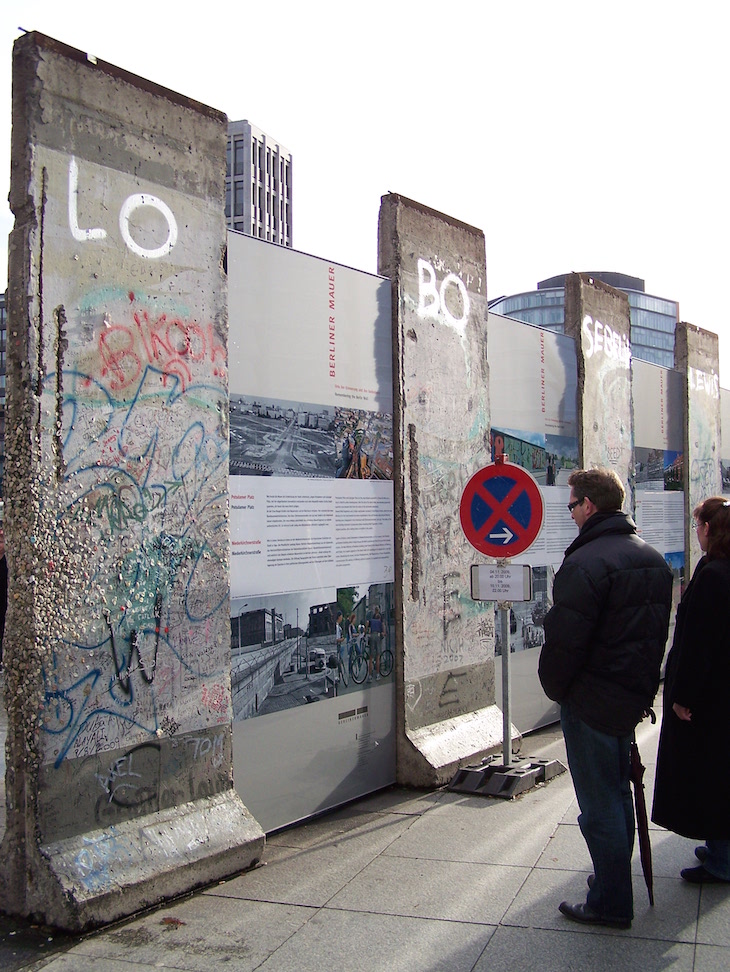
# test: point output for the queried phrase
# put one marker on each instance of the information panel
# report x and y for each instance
(311, 464)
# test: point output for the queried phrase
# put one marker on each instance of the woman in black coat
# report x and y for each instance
(691, 797)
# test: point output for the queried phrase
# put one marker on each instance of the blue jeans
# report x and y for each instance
(600, 766)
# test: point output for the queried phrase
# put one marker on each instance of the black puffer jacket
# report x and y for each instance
(606, 632)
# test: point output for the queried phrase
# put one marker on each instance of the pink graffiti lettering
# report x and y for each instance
(170, 344)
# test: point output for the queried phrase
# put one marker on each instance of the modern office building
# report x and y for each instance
(653, 319)
(258, 184)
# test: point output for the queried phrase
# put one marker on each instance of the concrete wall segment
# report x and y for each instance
(118, 675)
(597, 317)
(696, 355)
(437, 268)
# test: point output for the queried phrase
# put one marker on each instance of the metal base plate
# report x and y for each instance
(497, 780)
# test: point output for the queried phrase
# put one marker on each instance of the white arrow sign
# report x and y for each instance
(505, 537)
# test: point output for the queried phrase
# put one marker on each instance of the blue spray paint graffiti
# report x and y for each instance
(144, 459)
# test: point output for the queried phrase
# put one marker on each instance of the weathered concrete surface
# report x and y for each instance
(119, 768)
(445, 707)
(597, 317)
(696, 356)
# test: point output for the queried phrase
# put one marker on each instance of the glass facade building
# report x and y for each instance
(653, 319)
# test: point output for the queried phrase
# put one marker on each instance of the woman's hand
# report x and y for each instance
(682, 712)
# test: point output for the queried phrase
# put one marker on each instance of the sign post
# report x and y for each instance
(505, 608)
(501, 514)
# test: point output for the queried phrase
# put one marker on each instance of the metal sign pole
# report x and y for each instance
(501, 513)
(504, 607)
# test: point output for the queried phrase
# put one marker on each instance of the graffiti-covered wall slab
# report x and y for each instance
(117, 493)
(437, 269)
(597, 316)
(697, 358)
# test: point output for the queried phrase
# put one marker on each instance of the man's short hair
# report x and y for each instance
(602, 487)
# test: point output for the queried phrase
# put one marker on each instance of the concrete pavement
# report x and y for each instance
(414, 881)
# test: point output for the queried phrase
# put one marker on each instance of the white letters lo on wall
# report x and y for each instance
(129, 206)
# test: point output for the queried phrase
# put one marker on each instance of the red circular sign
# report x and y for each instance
(501, 510)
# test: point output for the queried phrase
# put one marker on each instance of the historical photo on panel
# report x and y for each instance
(273, 437)
(299, 648)
(364, 442)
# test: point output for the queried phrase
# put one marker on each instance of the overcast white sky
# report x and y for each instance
(578, 135)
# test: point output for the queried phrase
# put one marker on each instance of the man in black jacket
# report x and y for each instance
(604, 642)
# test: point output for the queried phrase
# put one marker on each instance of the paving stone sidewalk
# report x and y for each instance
(411, 881)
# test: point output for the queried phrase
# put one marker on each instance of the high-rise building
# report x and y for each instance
(258, 184)
(653, 319)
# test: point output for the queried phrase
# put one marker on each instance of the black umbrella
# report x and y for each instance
(642, 821)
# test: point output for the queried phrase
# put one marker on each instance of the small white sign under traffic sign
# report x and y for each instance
(501, 582)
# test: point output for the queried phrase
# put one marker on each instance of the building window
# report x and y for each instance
(238, 199)
(238, 156)
(228, 202)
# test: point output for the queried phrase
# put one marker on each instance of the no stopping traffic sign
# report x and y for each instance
(501, 510)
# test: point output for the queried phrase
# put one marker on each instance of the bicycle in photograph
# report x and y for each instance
(360, 661)
(385, 665)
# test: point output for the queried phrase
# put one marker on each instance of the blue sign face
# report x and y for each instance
(511, 512)
(501, 510)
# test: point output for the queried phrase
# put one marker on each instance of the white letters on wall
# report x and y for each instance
(432, 300)
(601, 339)
(702, 381)
(73, 210)
(129, 206)
(136, 202)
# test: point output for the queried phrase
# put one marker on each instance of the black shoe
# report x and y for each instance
(701, 853)
(698, 875)
(587, 916)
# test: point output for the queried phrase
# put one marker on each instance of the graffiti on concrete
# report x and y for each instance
(450, 691)
(438, 302)
(128, 207)
(606, 393)
(601, 339)
(134, 421)
(701, 381)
